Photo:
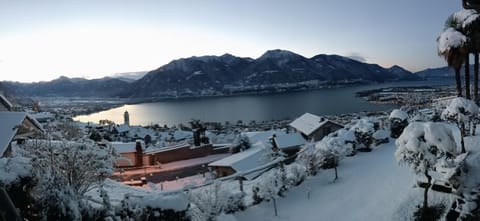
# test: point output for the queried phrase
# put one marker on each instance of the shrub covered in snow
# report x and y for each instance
(421, 146)
(363, 130)
(308, 157)
(295, 174)
(461, 111)
(463, 174)
(158, 207)
(210, 201)
(398, 121)
(332, 149)
(14, 168)
(270, 185)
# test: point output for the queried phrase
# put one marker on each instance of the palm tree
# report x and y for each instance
(473, 31)
(467, 76)
(451, 46)
(475, 76)
(467, 22)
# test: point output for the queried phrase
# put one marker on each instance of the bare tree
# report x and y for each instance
(66, 171)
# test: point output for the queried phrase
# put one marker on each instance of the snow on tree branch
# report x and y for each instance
(421, 144)
(450, 39)
(460, 110)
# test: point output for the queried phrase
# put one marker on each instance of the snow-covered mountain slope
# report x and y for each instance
(222, 75)
(273, 67)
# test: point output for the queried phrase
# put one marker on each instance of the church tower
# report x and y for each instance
(126, 118)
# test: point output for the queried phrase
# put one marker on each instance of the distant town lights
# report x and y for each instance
(471, 4)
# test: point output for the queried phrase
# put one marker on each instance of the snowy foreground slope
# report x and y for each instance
(371, 186)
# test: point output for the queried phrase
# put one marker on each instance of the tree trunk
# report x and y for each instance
(241, 184)
(336, 174)
(467, 76)
(462, 134)
(474, 128)
(275, 206)
(458, 82)
(475, 78)
(425, 192)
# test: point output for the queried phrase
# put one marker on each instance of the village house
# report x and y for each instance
(289, 144)
(131, 153)
(261, 143)
(16, 126)
(313, 127)
(254, 137)
(183, 151)
(121, 130)
(241, 163)
(138, 154)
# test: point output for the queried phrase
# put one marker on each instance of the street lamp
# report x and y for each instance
(471, 4)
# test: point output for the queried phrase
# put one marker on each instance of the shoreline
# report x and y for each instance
(144, 100)
(97, 105)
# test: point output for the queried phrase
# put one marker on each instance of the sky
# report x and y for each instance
(43, 40)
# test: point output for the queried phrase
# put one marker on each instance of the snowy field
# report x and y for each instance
(371, 186)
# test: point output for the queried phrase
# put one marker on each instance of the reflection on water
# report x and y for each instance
(252, 107)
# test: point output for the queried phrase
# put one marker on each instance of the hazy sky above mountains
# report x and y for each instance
(41, 40)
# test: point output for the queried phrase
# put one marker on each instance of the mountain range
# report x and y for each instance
(275, 70)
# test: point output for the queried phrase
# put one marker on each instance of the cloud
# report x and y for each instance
(357, 56)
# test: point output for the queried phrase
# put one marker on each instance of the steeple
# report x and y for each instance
(126, 118)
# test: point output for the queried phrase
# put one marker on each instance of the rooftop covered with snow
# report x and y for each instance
(4, 101)
(289, 140)
(10, 124)
(244, 161)
(129, 147)
(122, 128)
(309, 123)
(262, 136)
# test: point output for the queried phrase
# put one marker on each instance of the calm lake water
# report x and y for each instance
(329, 101)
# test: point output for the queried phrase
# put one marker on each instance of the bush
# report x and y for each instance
(432, 213)
(133, 210)
(19, 192)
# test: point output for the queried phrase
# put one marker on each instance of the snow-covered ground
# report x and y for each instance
(371, 186)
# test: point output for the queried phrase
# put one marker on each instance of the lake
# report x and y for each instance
(328, 101)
